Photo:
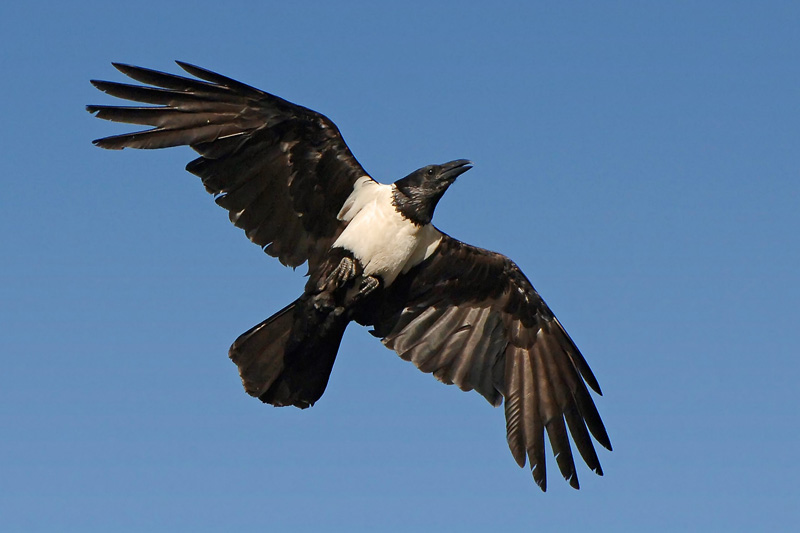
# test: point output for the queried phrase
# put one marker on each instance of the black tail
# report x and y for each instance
(288, 358)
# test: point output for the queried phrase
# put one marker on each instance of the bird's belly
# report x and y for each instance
(385, 243)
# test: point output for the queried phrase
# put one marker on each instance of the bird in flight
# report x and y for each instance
(467, 315)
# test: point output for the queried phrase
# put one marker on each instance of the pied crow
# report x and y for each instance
(467, 315)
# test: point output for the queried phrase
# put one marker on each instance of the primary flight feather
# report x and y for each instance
(467, 315)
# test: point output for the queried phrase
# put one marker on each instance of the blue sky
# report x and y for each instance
(638, 160)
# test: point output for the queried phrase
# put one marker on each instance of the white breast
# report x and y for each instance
(383, 241)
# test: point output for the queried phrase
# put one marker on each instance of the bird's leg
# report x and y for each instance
(325, 290)
(338, 289)
(368, 284)
(344, 272)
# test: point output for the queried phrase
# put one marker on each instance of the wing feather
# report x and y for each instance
(472, 318)
(515, 407)
(532, 420)
(280, 169)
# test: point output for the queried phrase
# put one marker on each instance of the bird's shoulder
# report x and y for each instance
(466, 273)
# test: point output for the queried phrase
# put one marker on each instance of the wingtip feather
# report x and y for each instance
(106, 144)
(539, 476)
(122, 67)
(573, 482)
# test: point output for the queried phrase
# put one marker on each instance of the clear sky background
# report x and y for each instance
(638, 160)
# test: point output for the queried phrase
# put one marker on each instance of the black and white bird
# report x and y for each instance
(467, 315)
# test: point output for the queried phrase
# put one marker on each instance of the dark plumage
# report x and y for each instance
(467, 315)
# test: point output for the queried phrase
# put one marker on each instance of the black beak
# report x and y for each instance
(453, 169)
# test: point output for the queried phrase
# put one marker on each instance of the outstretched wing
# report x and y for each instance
(281, 170)
(473, 319)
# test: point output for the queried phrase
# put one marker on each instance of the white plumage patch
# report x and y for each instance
(384, 242)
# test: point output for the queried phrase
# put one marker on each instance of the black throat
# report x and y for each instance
(414, 203)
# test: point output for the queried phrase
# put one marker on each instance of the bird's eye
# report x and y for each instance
(430, 172)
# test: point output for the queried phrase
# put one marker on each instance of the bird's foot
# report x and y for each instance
(344, 272)
(368, 284)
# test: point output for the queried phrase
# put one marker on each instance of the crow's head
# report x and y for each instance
(417, 194)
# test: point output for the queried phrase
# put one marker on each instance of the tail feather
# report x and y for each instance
(288, 358)
(259, 352)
